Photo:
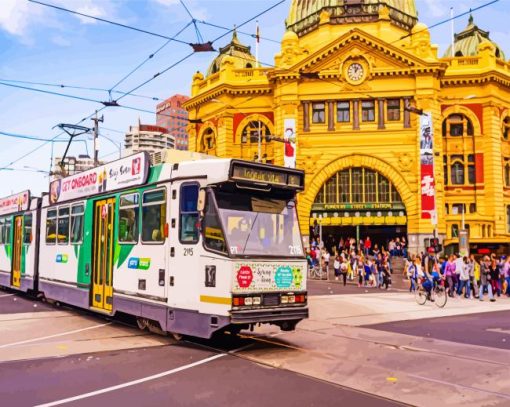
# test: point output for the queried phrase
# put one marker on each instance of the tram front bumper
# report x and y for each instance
(268, 315)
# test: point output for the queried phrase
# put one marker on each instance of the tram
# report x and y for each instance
(191, 245)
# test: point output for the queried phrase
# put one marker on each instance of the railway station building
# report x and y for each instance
(395, 139)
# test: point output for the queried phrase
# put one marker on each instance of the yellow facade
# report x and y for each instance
(353, 75)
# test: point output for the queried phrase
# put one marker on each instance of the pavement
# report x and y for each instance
(367, 348)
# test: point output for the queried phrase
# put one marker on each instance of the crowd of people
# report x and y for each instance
(369, 264)
(463, 276)
(365, 262)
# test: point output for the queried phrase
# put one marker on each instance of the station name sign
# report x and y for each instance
(246, 172)
(124, 173)
(15, 203)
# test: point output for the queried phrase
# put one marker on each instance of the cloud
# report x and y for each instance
(60, 41)
(21, 18)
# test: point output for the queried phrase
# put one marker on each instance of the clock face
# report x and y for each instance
(355, 72)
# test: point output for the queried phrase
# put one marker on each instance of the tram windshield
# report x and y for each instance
(258, 225)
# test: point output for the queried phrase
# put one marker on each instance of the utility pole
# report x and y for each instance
(96, 120)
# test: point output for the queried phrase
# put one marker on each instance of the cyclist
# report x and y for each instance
(427, 280)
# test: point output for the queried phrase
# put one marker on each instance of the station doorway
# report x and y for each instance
(355, 203)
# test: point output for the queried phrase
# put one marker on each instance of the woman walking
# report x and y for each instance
(485, 279)
(449, 273)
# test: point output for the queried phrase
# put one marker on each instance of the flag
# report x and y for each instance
(257, 33)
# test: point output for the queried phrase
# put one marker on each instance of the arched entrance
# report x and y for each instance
(356, 202)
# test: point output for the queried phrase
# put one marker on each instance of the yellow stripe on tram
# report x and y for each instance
(216, 300)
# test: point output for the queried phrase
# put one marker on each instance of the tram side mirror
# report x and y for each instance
(201, 201)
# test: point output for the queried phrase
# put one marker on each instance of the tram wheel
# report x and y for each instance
(142, 323)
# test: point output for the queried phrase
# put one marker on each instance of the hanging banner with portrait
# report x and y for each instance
(289, 137)
(428, 187)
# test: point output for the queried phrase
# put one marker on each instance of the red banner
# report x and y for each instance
(428, 187)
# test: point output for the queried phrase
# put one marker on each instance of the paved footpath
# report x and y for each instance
(368, 349)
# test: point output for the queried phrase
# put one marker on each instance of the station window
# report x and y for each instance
(188, 232)
(457, 125)
(457, 170)
(506, 171)
(51, 226)
(455, 230)
(77, 212)
(129, 209)
(154, 216)
(393, 110)
(458, 208)
(318, 112)
(343, 112)
(506, 128)
(368, 110)
(472, 208)
(508, 218)
(63, 225)
(27, 233)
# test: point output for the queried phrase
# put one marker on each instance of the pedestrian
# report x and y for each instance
(343, 270)
(368, 246)
(474, 275)
(485, 279)
(495, 276)
(464, 278)
(336, 267)
(449, 273)
(412, 274)
(325, 260)
(386, 275)
(506, 273)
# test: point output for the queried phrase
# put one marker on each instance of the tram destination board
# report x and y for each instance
(267, 175)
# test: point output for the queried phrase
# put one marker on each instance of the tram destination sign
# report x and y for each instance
(15, 203)
(246, 172)
(124, 173)
(358, 206)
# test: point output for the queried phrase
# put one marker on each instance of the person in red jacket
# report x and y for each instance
(368, 245)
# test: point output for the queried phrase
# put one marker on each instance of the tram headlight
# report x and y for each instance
(292, 299)
(248, 301)
(284, 299)
(256, 300)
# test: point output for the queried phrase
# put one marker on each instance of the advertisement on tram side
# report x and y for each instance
(254, 276)
(126, 172)
(15, 203)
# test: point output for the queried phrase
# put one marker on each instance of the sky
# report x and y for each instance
(45, 45)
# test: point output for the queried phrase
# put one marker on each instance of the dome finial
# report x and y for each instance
(471, 19)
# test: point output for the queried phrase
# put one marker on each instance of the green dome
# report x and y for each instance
(241, 54)
(304, 14)
(466, 42)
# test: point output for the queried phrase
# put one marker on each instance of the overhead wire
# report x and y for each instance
(57, 85)
(129, 27)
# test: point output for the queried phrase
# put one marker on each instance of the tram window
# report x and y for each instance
(51, 226)
(27, 236)
(213, 234)
(188, 232)
(7, 231)
(128, 218)
(63, 225)
(77, 223)
(154, 216)
(2, 225)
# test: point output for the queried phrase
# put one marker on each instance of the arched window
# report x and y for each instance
(358, 185)
(506, 128)
(457, 125)
(251, 132)
(208, 144)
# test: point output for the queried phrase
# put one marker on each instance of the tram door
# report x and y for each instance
(16, 251)
(103, 245)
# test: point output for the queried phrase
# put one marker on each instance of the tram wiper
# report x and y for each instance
(251, 230)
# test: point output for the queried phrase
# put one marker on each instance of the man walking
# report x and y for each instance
(485, 278)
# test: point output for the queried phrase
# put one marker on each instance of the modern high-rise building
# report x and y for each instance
(394, 138)
(73, 165)
(174, 118)
(147, 137)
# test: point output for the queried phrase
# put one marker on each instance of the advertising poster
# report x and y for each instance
(289, 137)
(15, 203)
(428, 188)
(267, 277)
(123, 173)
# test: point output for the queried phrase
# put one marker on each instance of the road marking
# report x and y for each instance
(495, 393)
(499, 330)
(132, 383)
(53, 336)
(6, 295)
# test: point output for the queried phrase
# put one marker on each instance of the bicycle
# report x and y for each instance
(315, 272)
(438, 294)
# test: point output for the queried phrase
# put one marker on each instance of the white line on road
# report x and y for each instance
(499, 330)
(53, 336)
(132, 383)
(6, 295)
(494, 393)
